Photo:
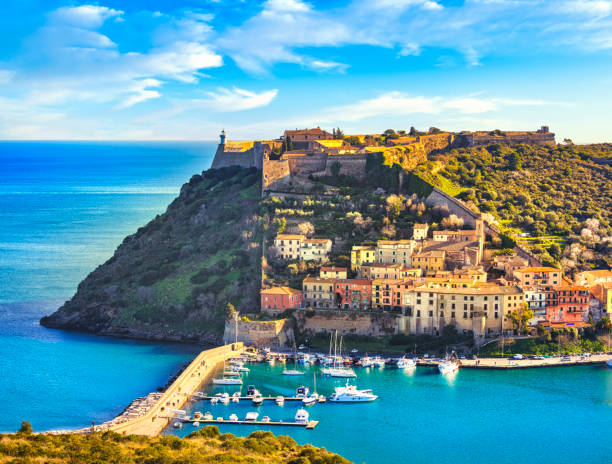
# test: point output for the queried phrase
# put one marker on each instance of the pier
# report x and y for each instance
(149, 416)
(250, 398)
(309, 425)
(507, 363)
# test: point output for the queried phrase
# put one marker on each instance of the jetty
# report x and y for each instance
(530, 363)
(309, 425)
(151, 414)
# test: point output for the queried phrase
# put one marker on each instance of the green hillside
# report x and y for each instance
(559, 197)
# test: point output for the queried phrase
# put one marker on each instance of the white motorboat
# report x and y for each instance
(224, 398)
(292, 372)
(280, 400)
(609, 363)
(265, 419)
(214, 400)
(377, 361)
(233, 418)
(350, 394)
(447, 367)
(207, 417)
(251, 416)
(310, 400)
(197, 415)
(340, 372)
(236, 397)
(257, 399)
(227, 381)
(405, 363)
(178, 425)
(196, 424)
(366, 361)
(302, 392)
(301, 416)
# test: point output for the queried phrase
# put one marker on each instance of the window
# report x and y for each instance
(464, 315)
(453, 314)
(418, 313)
(430, 313)
(453, 306)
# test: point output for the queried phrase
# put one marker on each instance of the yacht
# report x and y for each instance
(233, 418)
(350, 394)
(196, 424)
(447, 367)
(207, 417)
(258, 399)
(406, 363)
(310, 400)
(280, 400)
(301, 416)
(292, 372)
(340, 372)
(265, 419)
(227, 381)
(377, 361)
(302, 392)
(366, 361)
(251, 390)
(224, 398)
(251, 416)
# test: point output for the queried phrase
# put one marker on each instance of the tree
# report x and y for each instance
(520, 318)
(604, 324)
(280, 224)
(434, 130)
(26, 428)
(230, 311)
(515, 162)
(413, 132)
(339, 134)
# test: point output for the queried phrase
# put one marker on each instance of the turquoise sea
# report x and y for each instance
(64, 208)
(557, 415)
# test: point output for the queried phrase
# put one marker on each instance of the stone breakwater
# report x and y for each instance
(149, 415)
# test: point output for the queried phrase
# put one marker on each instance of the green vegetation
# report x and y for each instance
(558, 341)
(559, 196)
(174, 277)
(206, 445)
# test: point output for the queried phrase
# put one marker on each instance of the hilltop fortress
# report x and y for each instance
(302, 153)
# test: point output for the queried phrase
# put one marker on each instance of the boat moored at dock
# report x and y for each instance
(350, 394)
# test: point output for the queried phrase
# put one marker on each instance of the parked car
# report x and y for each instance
(566, 358)
(517, 356)
(539, 357)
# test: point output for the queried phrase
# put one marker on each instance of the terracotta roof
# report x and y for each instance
(430, 254)
(363, 248)
(537, 269)
(319, 279)
(316, 130)
(421, 226)
(316, 240)
(353, 281)
(290, 237)
(280, 290)
(334, 269)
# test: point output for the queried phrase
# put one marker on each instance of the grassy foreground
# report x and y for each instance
(206, 445)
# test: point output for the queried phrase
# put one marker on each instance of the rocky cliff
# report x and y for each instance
(173, 278)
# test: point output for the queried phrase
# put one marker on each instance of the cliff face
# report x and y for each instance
(172, 279)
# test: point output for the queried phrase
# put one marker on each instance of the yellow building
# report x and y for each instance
(319, 293)
(288, 245)
(481, 310)
(429, 261)
(361, 255)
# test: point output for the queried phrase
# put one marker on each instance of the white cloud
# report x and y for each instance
(225, 100)
(400, 104)
(588, 7)
(84, 16)
(141, 92)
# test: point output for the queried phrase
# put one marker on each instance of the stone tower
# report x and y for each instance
(222, 137)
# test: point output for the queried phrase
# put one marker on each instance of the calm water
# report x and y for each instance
(64, 208)
(528, 416)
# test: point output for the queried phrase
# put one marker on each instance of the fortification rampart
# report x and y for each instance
(372, 324)
(260, 333)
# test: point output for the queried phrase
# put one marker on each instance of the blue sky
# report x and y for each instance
(153, 69)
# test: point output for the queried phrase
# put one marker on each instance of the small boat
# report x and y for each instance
(292, 372)
(220, 419)
(405, 363)
(309, 400)
(236, 397)
(341, 372)
(280, 400)
(302, 392)
(354, 351)
(366, 361)
(377, 361)
(233, 418)
(251, 390)
(609, 363)
(197, 415)
(196, 424)
(257, 399)
(447, 367)
(177, 425)
(350, 394)
(227, 381)
(321, 399)
(265, 419)
(301, 416)
(207, 417)
(214, 400)
(224, 398)
(251, 416)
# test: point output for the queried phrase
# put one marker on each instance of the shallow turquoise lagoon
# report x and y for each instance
(560, 415)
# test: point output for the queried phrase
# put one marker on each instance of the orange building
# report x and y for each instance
(277, 299)
(353, 293)
(570, 304)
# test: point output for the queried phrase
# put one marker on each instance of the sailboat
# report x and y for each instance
(336, 370)
(293, 371)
